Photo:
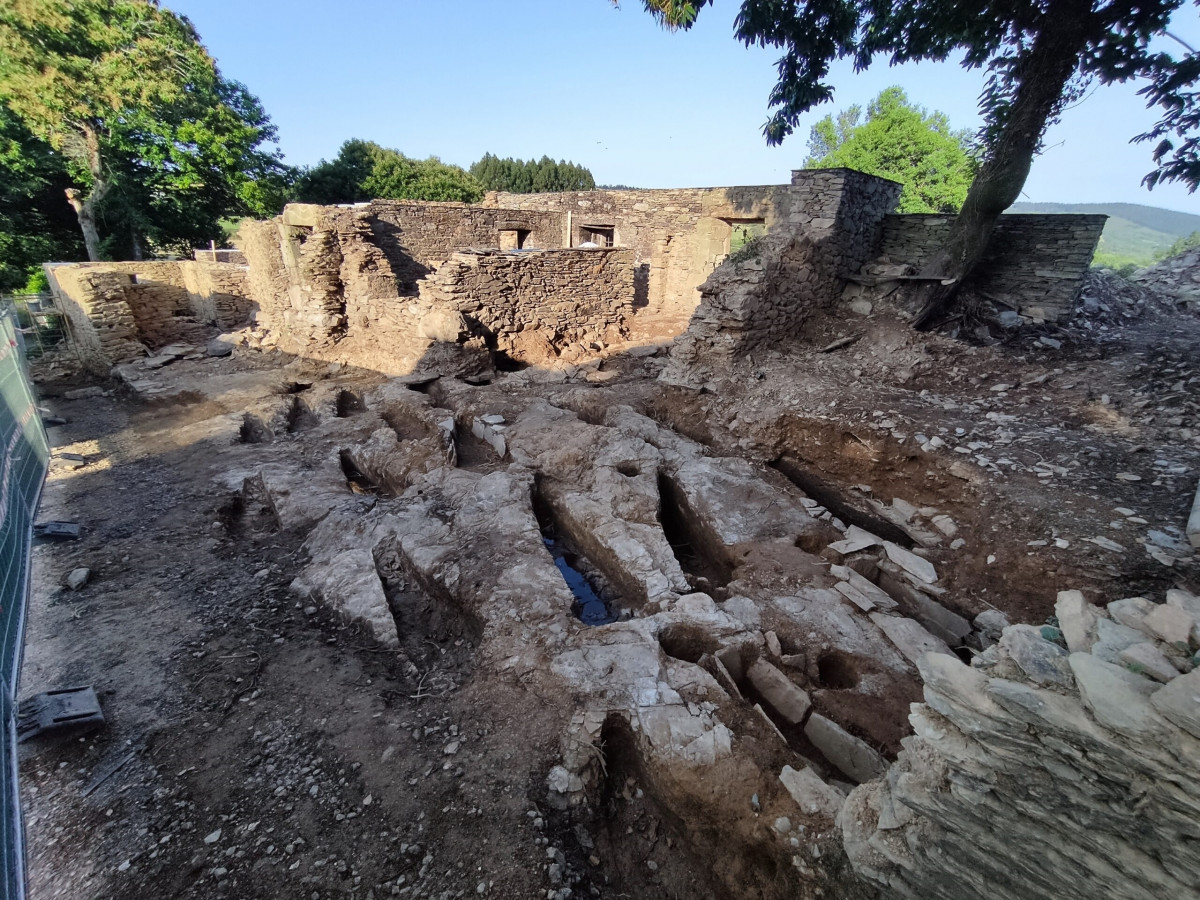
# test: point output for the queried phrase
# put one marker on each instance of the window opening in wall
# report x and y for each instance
(513, 238)
(743, 231)
(599, 235)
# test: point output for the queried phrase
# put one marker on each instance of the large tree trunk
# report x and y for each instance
(85, 204)
(85, 209)
(1043, 74)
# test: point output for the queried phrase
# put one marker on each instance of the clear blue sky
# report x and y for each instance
(606, 88)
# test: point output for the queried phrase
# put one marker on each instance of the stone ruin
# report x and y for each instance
(1058, 763)
(402, 286)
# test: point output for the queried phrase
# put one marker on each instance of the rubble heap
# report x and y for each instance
(1080, 742)
(1177, 277)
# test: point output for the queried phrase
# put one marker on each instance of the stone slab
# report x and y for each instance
(855, 758)
(787, 699)
(812, 794)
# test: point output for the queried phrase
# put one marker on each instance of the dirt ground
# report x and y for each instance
(258, 746)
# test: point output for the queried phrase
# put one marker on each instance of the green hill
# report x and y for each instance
(1133, 233)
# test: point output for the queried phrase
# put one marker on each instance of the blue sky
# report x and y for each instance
(606, 88)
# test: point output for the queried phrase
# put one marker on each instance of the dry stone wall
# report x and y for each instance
(1035, 263)
(1060, 765)
(532, 304)
(680, 236)
(118, 311)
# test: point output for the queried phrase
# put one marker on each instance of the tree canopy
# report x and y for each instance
(903, 142)
(1040, 57)
(364, 170)
(157, 144)
(530, 176)
(36, 225)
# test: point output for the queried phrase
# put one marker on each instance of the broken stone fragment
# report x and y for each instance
(856, 539)
(1170, 624)
(864, 587)
(790, 702)
(1115, 696)
(915, 565)
(990, 624)
(1179, 702)
(945, 525)
(1131, 612)
(1043, 662)
(222, 345)
(1190, 604)
(1113, 637)
(78, 578)
(812, 794)
(1147, 659)
(1077, 618)
(853, 757)
(1193, 522)
(909, 637)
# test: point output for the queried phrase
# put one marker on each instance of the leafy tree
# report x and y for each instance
(35, 224)
(157, 143)
(363, 171)
(1183, 245)
(903, 142)
(1040, 56)
(527, 177)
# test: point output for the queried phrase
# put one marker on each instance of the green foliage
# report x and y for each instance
(363, 171)
(157, 144)
(36, 225)
(751, 249)
(903, 142)
(529, 176)
(1105, 42)
(1183, 245)
(37, 283)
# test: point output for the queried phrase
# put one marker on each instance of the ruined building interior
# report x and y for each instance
(624, 543)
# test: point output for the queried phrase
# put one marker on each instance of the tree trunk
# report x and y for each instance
(85, 209)
(1043, 74)
(85, 204)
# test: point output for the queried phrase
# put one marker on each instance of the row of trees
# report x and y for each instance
(119, 136)
(363, 170)
(531, 176)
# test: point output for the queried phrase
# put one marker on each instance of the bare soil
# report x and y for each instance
(257, 746)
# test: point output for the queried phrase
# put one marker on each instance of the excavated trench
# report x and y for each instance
(349, 404)
(254, 430)
(703, 564)
(357, 480)
(834, 500)
(300, 416)
(596, 600)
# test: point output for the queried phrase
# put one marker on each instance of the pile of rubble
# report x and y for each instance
(1077, 740)
(1178, 278)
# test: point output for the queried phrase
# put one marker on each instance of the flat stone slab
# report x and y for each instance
(779, 692)
(855, 758)
(1179, 702)
(811, 793)
(1077, 619)
(1115, 697)
(916, 566)
(1193, 522)
(910, 637)
(1147, 659)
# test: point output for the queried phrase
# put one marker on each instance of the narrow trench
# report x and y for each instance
(830, 498)
(596, 603)
(357, 480)
(406, 426)
(254, 430)
(705, 570)
(421, 387)
(502, 362)
(473, 453)
(300, 417)
(348, 404)
(296, 387)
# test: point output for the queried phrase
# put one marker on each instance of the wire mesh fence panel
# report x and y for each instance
(40, 325)
(24, 460)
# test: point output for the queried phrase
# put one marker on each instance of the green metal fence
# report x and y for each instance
(24, 460)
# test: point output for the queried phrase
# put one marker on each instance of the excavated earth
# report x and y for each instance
(559, 633)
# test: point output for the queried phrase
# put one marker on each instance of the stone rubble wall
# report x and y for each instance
(1035, 263)
(118, 311)
(1046, 770)
(755, 300)
(532, 304)
(1177, 277)
(680, 236)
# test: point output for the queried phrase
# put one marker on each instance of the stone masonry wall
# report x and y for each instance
(1035, 263)
(1048, 771)
(531, 305)
(680, 236)
(117, 311)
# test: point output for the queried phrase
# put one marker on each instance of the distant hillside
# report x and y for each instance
(1133, 233)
